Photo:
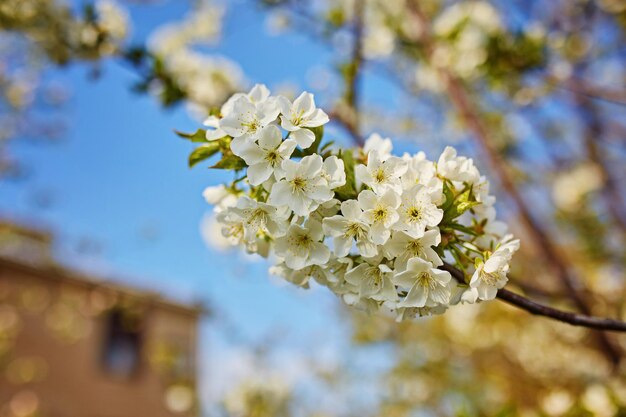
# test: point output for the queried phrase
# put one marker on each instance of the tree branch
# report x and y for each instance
(536, 308)
(459, 97)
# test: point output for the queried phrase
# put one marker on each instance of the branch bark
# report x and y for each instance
(536, 308)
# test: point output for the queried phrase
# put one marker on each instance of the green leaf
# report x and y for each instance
(449, 194)
(198, 137)
(203, 152)
(462, 228)
(231, 162)
(460, 204)
(348, 190)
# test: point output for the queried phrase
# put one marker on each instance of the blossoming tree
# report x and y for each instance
(533, 91)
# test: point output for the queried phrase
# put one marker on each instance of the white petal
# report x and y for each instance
(270, 137)
(367, 200)
(304, 105)
(304, 137)
(416, 297)
(258, 173)
(350, 210)
(319, 254)
(342, 246)
(317, 118)
(311, 165)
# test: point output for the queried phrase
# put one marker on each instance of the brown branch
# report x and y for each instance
(572, 318)
(536, 308)
(461, 101)
(583, 88)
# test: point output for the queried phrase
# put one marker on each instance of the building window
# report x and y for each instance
(122, 344)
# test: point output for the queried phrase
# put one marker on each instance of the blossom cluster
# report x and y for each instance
(380, 231)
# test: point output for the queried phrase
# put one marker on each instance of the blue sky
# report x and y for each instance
(120, 173)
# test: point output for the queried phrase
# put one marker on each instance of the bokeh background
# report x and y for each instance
(90, 96)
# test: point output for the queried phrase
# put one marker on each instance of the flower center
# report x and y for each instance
(257, 217)
(299, 184)
(252, 125)
(414, 247)
(233, 230)
(374, 276)
(300, 242)
(296, 118)
(380, 214)
(380, 176)
(273, 158)
(489, 278)
(425, 280)
(354, 230)
(414, 214)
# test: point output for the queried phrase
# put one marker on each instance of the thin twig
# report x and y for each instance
(534, 307)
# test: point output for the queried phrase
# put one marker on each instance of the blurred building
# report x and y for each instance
(75, 346)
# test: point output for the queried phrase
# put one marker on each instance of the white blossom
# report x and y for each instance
(427, 286)
(259, 217)
(334, 172)
(375, 142)
(417, 211)
(302, 246)
(374, 281)
(304, 188)
(248, 118)
(348, 228)
(381, 174)
(490, 275)
(266, 157)
(299, 115)
(380, 212)
(383, 219)
(403, 247)
(456, 168)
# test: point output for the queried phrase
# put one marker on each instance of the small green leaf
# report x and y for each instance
(462, 228)
(198, 137)
(460, 204)
(449, 194)
(231, 162)
(203, 152)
